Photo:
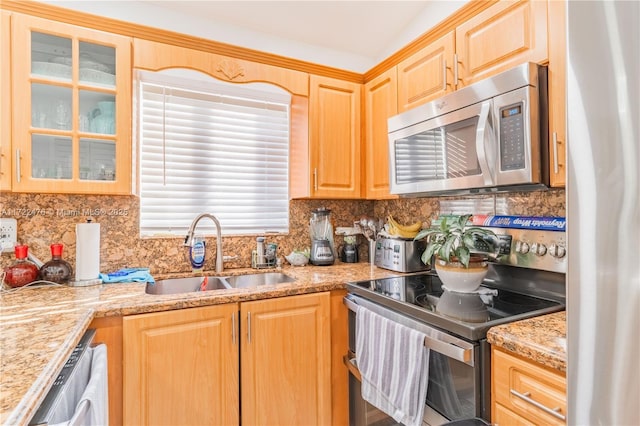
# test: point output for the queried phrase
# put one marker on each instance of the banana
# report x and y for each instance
(404, 231)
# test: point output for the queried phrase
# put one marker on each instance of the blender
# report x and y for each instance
(321, 231)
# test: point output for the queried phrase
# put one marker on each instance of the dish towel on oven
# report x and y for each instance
(394, 365)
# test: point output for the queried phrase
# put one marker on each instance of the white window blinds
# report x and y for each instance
(207, 147)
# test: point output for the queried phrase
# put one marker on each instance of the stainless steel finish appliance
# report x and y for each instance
(399, 254)
(321, 231)
(603, 212)
(487, 137)
(460, 364)
(79, 394)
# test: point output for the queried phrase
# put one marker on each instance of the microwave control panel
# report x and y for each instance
(512, 149)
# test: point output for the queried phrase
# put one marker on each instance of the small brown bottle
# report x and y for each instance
(22, 272)
(57, 269)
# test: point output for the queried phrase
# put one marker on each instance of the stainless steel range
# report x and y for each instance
(527, 279)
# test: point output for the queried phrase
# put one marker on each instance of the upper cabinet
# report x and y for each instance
(5, 102)
(334, 141)
(380, 96)
(507, 34)
(72, 133)
(427, 74)
(557, 93)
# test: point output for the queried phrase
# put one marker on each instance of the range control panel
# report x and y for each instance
(530, 248)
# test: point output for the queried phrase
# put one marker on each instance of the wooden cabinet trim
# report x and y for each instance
(173, 38)
(155, 56)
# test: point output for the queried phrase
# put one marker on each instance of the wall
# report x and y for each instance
(45, 219)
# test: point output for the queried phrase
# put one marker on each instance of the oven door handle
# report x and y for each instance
(434, 341)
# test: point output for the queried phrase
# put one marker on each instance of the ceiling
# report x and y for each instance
(349, 34)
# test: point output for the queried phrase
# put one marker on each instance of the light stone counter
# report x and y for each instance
(542, 339)
(41, 326)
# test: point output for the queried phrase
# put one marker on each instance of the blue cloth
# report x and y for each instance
(127, 275)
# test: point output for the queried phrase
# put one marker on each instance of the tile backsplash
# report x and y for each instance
(45, 219)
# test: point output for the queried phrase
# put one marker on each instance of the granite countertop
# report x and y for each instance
(540, 339)
(42, 325)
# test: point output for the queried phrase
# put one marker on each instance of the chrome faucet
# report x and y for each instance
(188, 239)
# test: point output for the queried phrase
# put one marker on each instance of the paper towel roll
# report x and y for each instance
(87, 251)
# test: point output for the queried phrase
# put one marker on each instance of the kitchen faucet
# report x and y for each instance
(188, 239)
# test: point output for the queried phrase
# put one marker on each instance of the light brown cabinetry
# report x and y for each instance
(557, 93)
(5, 102)
(286, 361)
(181, 367)
(524, 392)
(109, 332)
(189, 366)
(72, 132)
(427, 74)
(334, 141)
(380, 100)
(506, 34)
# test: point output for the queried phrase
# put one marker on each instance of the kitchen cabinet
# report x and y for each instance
(524, 392)
(286, 360)
(5, 102)
(72, 133)
(504, 35)
(181, 367)
(334, 141)
(427, 74)
(557, 93)
(380, 103)
(189, 366)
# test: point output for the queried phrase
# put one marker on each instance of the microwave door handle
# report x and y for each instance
(484, 132)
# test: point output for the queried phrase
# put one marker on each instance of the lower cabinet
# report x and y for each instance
(526, 393)
(181, 367)
(286, 361)
(263, 362)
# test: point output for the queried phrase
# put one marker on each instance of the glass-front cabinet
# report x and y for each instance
(71, 110)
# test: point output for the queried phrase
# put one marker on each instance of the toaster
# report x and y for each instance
(399, 254)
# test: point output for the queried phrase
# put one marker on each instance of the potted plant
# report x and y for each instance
(458, 264)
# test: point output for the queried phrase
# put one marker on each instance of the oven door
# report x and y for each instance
(455, 380)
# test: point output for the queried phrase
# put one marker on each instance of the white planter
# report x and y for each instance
(457, 278)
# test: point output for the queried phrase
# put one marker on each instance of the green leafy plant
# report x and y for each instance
(454, 239)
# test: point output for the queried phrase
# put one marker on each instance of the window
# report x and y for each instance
(208, 146)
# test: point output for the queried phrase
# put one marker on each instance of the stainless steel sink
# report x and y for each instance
(192, 284)
(185, 285)
(255, 280)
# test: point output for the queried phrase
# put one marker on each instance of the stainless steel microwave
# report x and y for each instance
(487, 137)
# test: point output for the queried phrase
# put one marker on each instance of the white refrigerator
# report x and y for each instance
(603, 219)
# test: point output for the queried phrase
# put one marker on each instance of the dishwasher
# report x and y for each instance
(79, 395)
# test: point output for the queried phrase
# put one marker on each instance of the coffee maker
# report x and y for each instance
(349, 250)
(321, 231)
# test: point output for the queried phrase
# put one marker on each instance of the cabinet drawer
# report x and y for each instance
(529, 390)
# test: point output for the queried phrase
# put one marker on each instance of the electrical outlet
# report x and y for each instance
(8, 233)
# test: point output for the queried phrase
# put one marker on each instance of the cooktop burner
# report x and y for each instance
(469, 315)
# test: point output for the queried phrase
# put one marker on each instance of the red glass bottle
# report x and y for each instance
(57, 269)
(22, 272)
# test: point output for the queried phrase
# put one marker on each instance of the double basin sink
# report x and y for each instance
(193, 284)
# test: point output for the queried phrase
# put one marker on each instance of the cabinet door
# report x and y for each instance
(72, 133)
(380, 103)
(507, 34)
(334, 129)
(286, 361)
(557, 93)
(528, 390)
(5, 102)
(181, 367)
(427, 74)
(109, 332)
